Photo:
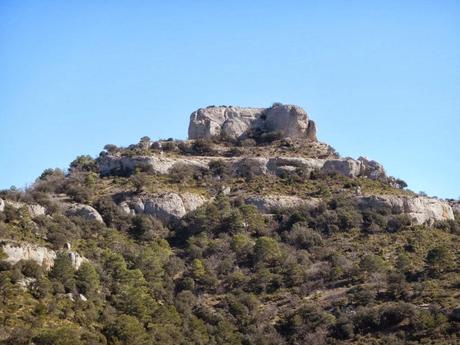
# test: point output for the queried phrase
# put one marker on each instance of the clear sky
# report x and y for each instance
(381, 78)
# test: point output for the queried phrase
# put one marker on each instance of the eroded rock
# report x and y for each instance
(85, 211)
(421, 210)
(236, 123)
(17, 251)
(34, 210)
(273, 203)
(167, 206)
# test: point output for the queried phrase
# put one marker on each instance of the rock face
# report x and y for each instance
(85, 211)
(34, 210)
(362, 167)
(236, 123)
(355, 168)
(422, 210)
(273, 203)
(115, 165)
(24, 251)
(17, 251)
(166, 206)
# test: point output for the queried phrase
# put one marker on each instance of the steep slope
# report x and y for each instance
(251, 232)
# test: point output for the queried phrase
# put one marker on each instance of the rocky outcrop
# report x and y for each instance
(421, 210)
(286, 165)
(251, 166)
(124, 166)
(17, 251)
(245, 166)
(25, 251)
(362, 167)
(166, 206)
(34, 210)
(235, 122)
(84, 211)
(273, 203)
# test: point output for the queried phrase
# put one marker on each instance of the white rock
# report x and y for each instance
(34, 210)
(371, 169)
(422, 210)
(236, 122)
(347, 167)
(272, 203)
(167, 206)
(85, 211)
(251, 166)
(25, 282)
(115, 165)
(25, 251)
(280, 165)
(17, 251)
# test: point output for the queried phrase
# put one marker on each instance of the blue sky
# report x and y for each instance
(381, 78)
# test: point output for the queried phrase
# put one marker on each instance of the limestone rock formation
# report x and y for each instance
(17, 251)
(85, 211)
(235, 122)
(34, 210)
(272, 203)
(116, 165)
(421, 210)
(167, 206)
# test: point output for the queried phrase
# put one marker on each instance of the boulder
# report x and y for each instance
(273, 203)
(236, 123)
(167, 206)
(346, 167)
(421, 210)
(251, 166)
(2, 205)
(85, 211)
(372, 169)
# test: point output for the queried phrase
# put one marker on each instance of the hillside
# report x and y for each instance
(251, 232)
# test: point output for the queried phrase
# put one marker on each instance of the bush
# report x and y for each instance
(64, 272)
(267, 250)
(84, 163)
(87, 279)
(303, 237)
(147, 228)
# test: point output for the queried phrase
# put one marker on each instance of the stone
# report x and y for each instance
(346, 167)
(25, 283)
(84, 211)
(251, 166)
(372, 169)
(237, 123)
(272, 203)
(25, 251)
(421, 210)
(311, 131)
(125, 166)
(34, 210)
(17, 251)
(280, 165)
(167, 206)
